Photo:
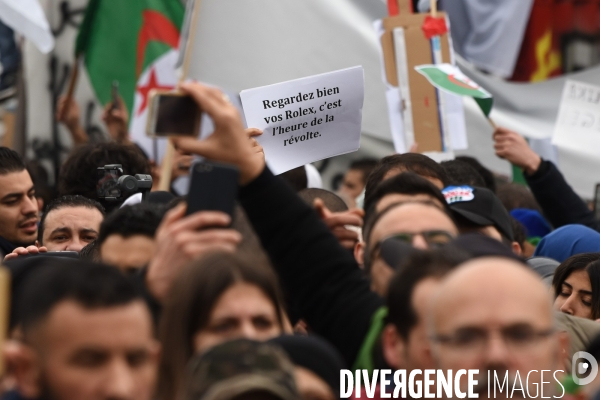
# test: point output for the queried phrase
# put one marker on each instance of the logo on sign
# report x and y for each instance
(455, 194)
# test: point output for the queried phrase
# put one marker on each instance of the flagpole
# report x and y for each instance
(436, 44)
(166, 167)
(71, 89)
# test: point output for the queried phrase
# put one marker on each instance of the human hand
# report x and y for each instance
(229, 142)
(68, 112)
(252, 134)
(341, 223)
(23, 251)
(514, 148)
(181, 164)
(181, 239)
(117, 120)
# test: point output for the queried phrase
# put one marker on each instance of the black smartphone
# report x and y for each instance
(597, 202)
(213, 187)
(115, 95)
(173, 114)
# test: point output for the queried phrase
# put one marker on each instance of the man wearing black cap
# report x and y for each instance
(477, 209)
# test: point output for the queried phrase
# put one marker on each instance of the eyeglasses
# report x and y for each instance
(473, 341)
(432, 238)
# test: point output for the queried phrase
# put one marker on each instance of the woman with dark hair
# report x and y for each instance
(214, 300)
(576, 286)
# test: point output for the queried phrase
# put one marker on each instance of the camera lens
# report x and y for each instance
(204, 167)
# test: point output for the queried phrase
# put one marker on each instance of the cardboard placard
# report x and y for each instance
(578, 123)
(423, 96)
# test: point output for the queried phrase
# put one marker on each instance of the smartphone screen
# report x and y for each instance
(176, 115)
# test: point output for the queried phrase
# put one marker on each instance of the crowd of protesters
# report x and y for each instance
(411, 265)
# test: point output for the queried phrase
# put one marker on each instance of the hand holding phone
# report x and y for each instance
(173, 113)
(213, 187)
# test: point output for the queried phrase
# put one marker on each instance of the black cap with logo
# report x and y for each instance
(479, 206)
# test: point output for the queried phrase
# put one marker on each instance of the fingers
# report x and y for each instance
(200, 220)
(10, 256)
(211, 100)
(188, 145)
(342, 219)
(253, 132)
(43, 249)
(321, 210)
(171, 216)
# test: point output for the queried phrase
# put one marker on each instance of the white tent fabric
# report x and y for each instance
(241, 44)
(531, 109)
(27, 18)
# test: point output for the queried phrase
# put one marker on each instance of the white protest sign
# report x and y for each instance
(307, 119)
(578, 123)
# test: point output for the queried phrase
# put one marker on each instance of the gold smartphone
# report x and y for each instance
(173, 114)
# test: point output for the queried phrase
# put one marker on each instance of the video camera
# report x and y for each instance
(114, 186)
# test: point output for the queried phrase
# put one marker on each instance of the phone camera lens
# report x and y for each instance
(204, 168)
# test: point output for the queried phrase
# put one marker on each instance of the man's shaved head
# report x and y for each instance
(494, 314)
(492, 280)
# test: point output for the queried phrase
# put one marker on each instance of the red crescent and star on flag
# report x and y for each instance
(155, 27)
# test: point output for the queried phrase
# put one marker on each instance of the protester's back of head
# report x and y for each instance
(219, 287)
(317, 357)
(78, 173)
(411, 162)
(513, 195)
(332, 201)
(296, 178)
(568, 241)
(486, 174)
(240, 369)
(126, 238)
(406, 186)
(91, 286)
(461, 173)
(418, 266)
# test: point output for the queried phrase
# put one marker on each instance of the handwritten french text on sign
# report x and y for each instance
(307, 119)
(578, 123)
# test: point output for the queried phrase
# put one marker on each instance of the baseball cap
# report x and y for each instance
(314, 354)
(238, 367)
(479, 206)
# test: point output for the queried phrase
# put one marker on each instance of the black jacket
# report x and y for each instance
(6, 247)
(560, 204)
(320, 277)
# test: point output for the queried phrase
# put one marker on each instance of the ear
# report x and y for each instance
(516, 248)
(393, 346)
(359, 253)
(23, 362)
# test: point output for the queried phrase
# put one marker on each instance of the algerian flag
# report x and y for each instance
(448, 78)
(27, 17)
(135, 43)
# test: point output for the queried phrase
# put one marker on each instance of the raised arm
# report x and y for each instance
(559, 202)
(322, 279)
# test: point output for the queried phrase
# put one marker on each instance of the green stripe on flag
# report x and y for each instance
(450, 79)
(109, 40)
